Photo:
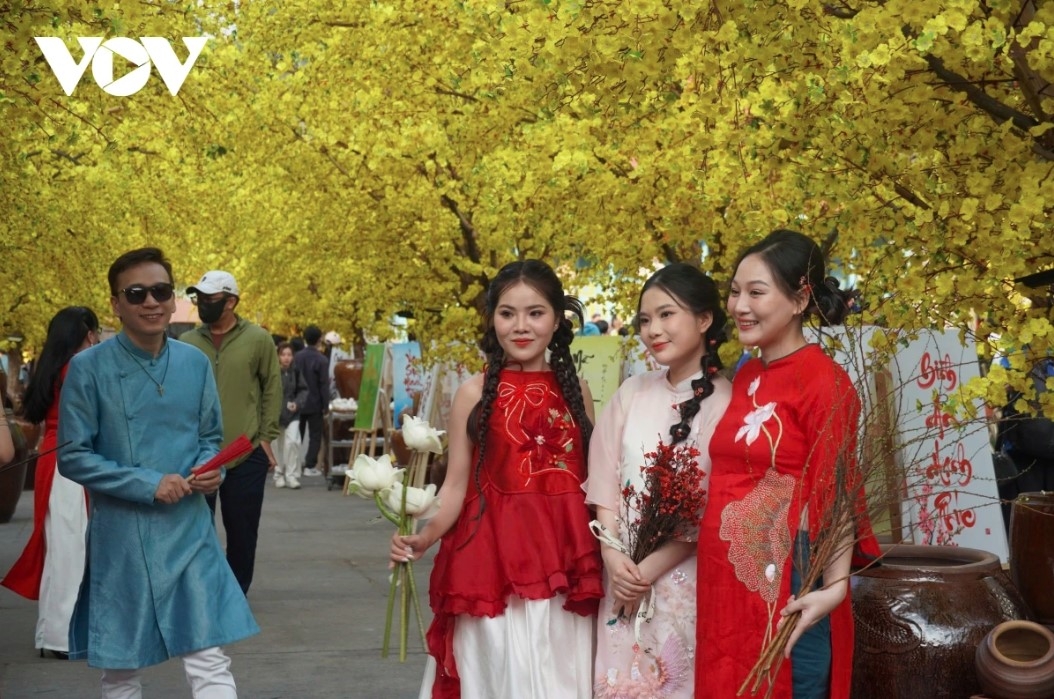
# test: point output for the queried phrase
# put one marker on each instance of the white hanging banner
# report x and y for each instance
(950, 491)
(952, 495)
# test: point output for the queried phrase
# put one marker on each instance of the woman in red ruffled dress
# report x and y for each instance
(517, 579)
(50, 567)
(781, 455)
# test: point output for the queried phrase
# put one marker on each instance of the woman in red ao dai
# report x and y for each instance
(790, 425)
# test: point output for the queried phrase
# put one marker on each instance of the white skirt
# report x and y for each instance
(535, 650)
(65, 523)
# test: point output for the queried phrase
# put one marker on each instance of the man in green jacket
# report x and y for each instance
(249, 381)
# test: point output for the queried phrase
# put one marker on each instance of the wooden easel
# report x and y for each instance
(370, 441)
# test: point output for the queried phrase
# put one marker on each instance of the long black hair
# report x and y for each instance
(66, 333)
(540, 277)
(797, 265)
(696, 292)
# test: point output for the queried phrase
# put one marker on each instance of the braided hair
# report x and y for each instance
(798, 268)
(540, 277)
(696, 292)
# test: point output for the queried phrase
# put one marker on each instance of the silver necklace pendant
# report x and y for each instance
(159, 384)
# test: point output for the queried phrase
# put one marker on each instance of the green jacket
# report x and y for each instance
(248, 378)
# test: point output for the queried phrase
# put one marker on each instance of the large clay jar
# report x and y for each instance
(399, 451)
(347, 375)
(12, 478)
(1016, 661)
(1032, 552)
(919, 618)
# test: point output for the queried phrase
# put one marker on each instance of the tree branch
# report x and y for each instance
(18, 302)
(910, 196)
(843, 12)
(454, 93)
(468, 232)
(668, 250)
(999, 111)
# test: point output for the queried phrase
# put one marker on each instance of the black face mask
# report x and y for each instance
(210, 311)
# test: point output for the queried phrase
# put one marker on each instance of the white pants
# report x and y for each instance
(287, 452)
(535, 650)
(208, 672)
(64, 525)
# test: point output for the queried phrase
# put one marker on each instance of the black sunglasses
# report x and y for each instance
(136, 294)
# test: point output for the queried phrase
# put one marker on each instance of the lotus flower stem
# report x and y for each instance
(405, 527)
(402, 575)
(404, 614)
(388, 616)
(417, 604)
(388, 514)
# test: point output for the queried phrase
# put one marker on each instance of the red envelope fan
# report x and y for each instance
(235, 450)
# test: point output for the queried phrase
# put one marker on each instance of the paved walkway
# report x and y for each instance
(319, 595)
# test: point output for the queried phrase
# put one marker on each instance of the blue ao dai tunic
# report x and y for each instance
(156, 583)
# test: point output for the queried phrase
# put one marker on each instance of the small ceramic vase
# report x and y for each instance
(1016, 661)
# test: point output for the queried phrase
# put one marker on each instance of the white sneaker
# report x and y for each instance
(312, 472)
(279, 482)
(293, 483)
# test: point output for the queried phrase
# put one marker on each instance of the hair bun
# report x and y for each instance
(832, 283)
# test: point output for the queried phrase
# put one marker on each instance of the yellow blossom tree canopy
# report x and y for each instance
(347, 161)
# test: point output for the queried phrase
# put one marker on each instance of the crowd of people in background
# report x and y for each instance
(307, 369)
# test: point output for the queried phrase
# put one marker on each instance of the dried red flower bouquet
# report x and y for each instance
(670, 504)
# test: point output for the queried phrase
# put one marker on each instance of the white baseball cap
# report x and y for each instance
(333, 338)
(214, 282)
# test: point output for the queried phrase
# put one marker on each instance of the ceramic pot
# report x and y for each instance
(13, 478)
(347, 375)
(921, 614)
(1032, 552)
(1016, 661)
(400, 452)
(437, 471)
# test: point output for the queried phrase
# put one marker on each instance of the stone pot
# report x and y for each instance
(1032, 552)
(347, 375)
(1016, 661)
(919, 618)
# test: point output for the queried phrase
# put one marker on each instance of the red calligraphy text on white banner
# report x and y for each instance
(938, 417)
(950, 470)
(952, 520)
(939, 372)
(949, 499)
(940, 519)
